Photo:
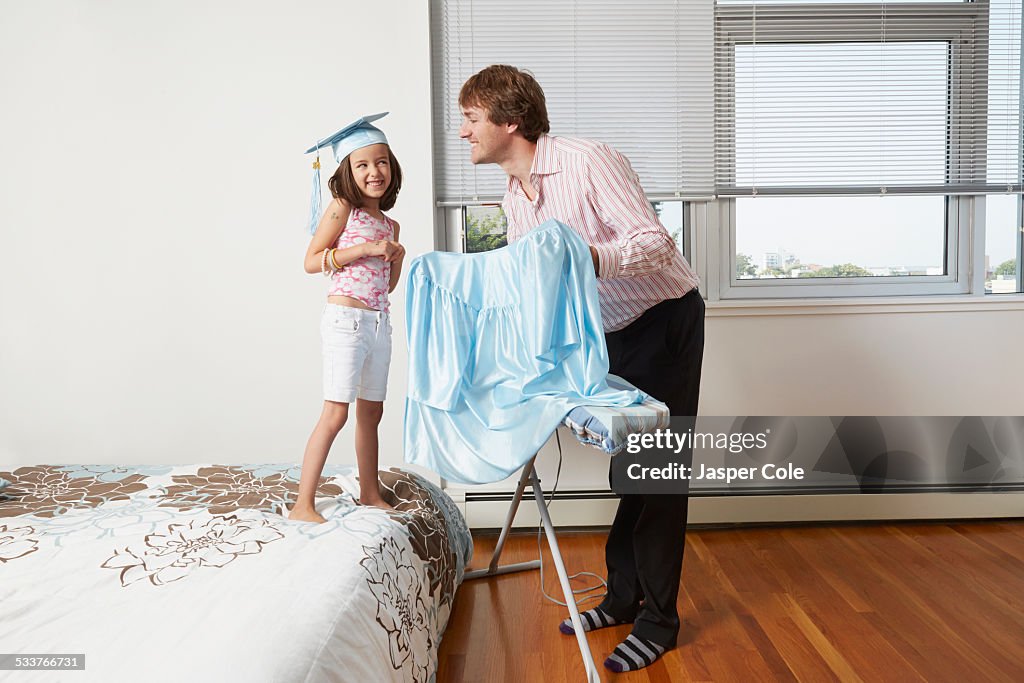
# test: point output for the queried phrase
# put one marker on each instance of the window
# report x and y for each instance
(616, 72)
(635, 75)
(1004, 225)
(828, 237)
(795, 149)
(483, 227)
(847, 144)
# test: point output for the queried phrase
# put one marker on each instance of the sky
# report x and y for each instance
(867, 231)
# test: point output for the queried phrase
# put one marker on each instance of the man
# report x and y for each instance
(652, 313)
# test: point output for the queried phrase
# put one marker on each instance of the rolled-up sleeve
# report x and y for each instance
(639, 243)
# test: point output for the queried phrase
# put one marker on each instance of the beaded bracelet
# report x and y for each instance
(323, 263)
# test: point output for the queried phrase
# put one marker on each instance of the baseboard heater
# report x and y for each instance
(583, 508)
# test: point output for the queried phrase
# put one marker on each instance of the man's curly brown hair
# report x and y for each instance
(508, 95)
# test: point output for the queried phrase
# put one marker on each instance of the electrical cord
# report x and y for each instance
(540, 553)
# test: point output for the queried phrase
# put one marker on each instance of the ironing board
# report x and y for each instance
(605, 428)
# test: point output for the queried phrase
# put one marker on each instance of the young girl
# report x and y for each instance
(357, 246)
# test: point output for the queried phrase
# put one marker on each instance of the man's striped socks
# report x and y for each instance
(592, 619)
(633, 653)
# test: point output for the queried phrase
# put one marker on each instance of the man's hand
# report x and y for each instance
(597, 262)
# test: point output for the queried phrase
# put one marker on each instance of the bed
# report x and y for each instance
(170, 572)
(190, 572)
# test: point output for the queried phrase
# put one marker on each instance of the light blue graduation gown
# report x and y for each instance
(502, 345)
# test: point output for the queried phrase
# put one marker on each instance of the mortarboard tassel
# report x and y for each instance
(356, 135)
(314, 200)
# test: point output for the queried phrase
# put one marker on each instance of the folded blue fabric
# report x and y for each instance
(502, 345)
(608, 428)
(3, 484)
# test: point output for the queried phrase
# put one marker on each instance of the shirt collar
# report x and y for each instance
(545, 162)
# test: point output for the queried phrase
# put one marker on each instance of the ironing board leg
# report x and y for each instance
(494, 569)
(563, 578)
(529, 476)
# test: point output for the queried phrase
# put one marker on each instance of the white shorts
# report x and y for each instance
(357, 353)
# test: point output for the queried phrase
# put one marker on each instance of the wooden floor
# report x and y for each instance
(894, 602)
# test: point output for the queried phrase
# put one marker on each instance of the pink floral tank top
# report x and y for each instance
(365, 279)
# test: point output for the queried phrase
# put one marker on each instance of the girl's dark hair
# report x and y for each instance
(343, 185)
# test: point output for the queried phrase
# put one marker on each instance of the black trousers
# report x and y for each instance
(661, 353)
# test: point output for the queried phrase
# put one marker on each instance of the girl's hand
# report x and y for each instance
(385, 249)
(399, 254)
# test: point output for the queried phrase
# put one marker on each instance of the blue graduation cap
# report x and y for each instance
(356, 135)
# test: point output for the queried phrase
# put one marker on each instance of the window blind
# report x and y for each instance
(638, 76)
(868, 98)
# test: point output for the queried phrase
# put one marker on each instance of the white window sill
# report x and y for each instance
(860, 305)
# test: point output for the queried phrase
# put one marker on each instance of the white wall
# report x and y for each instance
(153, 206)
(153, 198)
(939, 360)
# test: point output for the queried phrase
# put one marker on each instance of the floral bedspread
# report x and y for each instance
(171, 572)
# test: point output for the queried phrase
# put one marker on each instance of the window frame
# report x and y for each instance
(858, 23)
(958, 212)
(451, 219)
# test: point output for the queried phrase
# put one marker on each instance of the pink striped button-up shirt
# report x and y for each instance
(593, 189)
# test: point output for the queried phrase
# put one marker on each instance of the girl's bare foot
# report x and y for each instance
(299, 514)
(377, 502)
